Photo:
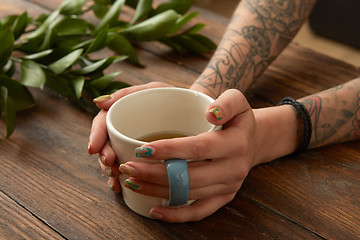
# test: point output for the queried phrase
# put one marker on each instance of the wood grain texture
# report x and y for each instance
(52, 185)
(17, 223)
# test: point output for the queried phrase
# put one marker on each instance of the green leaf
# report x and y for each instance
(171, 43)
(205, 41)
(59, 84)
(99, 66)
(122, 46)
(49, 40)
(32, 74)
(6, 46)
(8, 21)
(41, 30)
(39, 54)
(83, 44)
(180, 6)
(195, 28)
(153, 28)
(22, 98)
(182, 21)
(104, 2)
(143, 8)
(78, 85)
(98, 42)
(111, 15)
(190, 44)
(101, 83)
(63, 63)
(20, 24)
(99, 10)
(6, 104)
(72, 7)
(71, 26)
(130, 3)
(9, 68)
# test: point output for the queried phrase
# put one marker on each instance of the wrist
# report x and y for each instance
(278, 132)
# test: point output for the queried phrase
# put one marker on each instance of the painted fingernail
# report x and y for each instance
(102, 159)
(156, 215)
(132, 184)
(143, 152)
(128, 170)
(108, 172)
(217, 112)
(102, 98)
(111, 187)
(89, 148)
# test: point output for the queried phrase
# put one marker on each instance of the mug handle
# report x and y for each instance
(177, 170)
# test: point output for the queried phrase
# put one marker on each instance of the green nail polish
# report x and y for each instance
(143, 152)
(133, 185)
(111, 187)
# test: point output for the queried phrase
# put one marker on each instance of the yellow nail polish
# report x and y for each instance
(108, 172)
(102, 98)
(89, 149)
(217, 112)
(128, 170)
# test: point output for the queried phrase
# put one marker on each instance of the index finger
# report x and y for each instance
(105, 102)
(209, 145)
(236, 114)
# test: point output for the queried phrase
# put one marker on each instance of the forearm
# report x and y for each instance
(335, 114)
(258, 31)
(335, 118)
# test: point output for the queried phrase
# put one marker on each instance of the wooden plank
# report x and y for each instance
(17, 223)
(53, 177)
(318, 189)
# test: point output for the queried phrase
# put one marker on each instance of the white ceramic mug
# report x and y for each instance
(156, 110)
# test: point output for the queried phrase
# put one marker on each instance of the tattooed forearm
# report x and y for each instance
(335, 114)
(257, 33)
(356, 122)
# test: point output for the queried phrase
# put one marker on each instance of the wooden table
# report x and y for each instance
(51, 189)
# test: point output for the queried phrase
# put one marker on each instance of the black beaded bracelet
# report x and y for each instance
(305, 118)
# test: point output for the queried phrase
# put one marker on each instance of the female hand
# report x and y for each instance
(249, 137)
(98, 140)
(230, 154)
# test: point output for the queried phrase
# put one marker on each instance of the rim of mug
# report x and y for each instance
(111, 127)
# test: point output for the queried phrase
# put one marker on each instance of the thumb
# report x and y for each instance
(229, 104)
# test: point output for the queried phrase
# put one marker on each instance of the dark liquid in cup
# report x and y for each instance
(162, 135)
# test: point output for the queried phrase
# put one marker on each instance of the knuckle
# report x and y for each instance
(201, 149)
(194, 195)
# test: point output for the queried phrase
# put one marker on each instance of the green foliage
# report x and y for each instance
(55, 48)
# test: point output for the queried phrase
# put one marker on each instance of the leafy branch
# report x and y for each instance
(54, 49)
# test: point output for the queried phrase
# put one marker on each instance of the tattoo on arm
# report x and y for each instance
(247, 50)
(356, 122)
(335, 114)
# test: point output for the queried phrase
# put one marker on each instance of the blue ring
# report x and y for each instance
(178, 175)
